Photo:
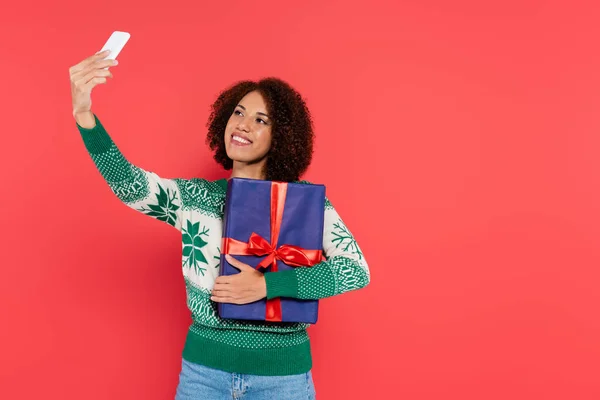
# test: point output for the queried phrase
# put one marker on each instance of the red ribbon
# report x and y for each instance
(258, 246)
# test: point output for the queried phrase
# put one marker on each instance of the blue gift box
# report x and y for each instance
(249, 207)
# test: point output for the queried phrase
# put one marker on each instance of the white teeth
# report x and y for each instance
(241, 140)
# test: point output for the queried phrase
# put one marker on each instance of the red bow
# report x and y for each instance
(258, 246)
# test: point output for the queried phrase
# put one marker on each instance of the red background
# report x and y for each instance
(458, 140)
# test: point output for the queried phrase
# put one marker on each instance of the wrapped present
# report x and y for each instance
(272, 226)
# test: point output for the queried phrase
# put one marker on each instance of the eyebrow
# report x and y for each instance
(258, 112)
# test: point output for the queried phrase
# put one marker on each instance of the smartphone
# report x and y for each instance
(115, 44)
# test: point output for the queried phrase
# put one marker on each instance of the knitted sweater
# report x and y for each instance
(195, 207)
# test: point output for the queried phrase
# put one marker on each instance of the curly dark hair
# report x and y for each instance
(292, 131)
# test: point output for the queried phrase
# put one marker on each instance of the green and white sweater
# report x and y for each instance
(195, 208)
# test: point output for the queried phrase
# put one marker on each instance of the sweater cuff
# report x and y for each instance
(281, 284)
(96, 139)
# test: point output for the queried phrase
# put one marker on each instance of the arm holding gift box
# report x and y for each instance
(137, 188)
(344, 270)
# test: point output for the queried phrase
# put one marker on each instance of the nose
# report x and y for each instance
(242, 124)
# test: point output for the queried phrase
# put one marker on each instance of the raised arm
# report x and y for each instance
(139, 189)
(142, 190)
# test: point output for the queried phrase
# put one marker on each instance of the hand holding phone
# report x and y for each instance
(93, 71)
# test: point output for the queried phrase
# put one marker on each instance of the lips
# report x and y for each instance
(240, 139)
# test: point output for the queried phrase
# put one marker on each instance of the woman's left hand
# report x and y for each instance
(246, 287)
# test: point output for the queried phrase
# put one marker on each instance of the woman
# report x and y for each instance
(258, 130)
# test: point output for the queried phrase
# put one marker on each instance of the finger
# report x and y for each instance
(98, 57)
(95, 81)
(222, 286)
(96, 74)
(221, 293)
(236, 263)
(104, 63)
(96, 65)
(222, 299)
(89, 60)
(80, 80)
(90, 81)
(101, 66)
(223, 279)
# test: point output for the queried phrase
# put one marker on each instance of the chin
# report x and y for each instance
(243, 156)
(246, 159)
(237, 158)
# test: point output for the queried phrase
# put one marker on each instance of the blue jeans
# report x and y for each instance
(197, 382)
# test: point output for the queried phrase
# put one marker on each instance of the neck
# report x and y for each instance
(250, 171)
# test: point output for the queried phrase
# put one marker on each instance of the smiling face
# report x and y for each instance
(248, 131)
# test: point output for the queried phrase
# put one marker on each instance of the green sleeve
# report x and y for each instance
(139, 189)
(345, 268)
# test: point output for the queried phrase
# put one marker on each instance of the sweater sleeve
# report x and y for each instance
(141, 190)
(344, 269)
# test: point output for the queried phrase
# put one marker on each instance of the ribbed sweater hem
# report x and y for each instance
(290, 360)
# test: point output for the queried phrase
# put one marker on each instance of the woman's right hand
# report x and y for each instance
(85, 76)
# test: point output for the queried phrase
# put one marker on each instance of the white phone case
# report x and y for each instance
(115, 44)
